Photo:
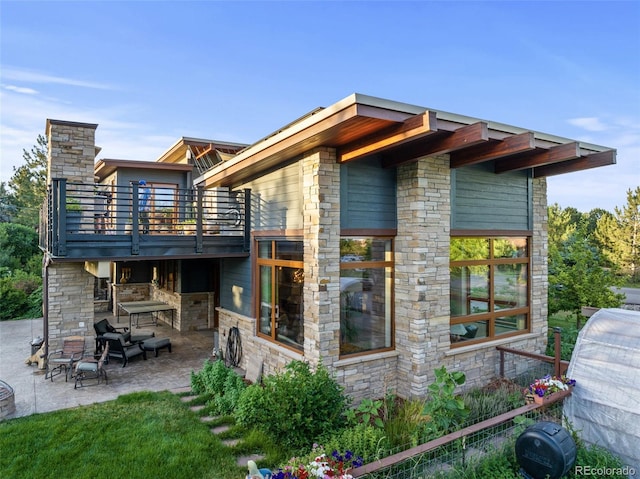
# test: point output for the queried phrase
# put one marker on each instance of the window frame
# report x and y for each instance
(492, 314)
(354, 263)
(273, 262)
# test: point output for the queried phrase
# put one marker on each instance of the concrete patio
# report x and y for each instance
(34, 394)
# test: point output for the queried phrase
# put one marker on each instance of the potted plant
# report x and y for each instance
(549, 388)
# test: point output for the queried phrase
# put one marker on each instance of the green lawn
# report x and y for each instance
(140, 435)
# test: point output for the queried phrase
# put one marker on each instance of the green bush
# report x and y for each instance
(221, 383)
(446, 410)
(299, 406)
(368, 442)
(568, 340)
(14, 301)
(226, 401)
(210, 380)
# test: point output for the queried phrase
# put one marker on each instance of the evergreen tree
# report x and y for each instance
(29, 185)
(619, 236)
(577, 273)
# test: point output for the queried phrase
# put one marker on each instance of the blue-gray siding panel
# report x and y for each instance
(367, 195)
(484, 200)
(277, 199)
(235, 285)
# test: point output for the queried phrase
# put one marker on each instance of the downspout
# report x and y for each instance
(46, 260)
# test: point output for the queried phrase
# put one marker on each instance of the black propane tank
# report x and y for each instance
(545, 449)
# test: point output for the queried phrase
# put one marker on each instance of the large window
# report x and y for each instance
(489, 288)
(366, 295)
(280, 284)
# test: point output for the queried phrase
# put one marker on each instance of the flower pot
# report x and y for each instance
(553, 397)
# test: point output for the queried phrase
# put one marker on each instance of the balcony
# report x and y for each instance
(81, 222)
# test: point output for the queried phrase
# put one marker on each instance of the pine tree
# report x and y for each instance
(29, 185)
(619, 235)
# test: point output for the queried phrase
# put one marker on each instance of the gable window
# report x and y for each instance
(489, 288)
(280, 291)
(366, 295)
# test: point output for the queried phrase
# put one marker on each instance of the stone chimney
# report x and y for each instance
(72, 151)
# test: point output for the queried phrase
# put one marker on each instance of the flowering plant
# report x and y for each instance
(334, 466)
(550, 384)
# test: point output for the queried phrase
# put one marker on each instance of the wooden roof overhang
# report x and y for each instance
(105, 167)
(359, 126)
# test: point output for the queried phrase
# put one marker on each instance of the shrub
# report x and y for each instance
(368, 442)
(211, 378)
(298, 407)
(223, 384)
(446, 410)
(568, 340)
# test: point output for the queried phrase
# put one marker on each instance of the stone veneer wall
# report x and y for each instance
(71, 155)
(192, 310)
(422, 272)
(70, 310)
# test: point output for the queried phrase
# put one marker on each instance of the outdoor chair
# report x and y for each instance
(64, 359)
(103, 326)
(92, 369)
(119, 348)
(472, 330)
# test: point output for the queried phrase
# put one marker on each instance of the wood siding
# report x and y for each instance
(235, 285)
(367, 195)
(482, 200)
(277, 200)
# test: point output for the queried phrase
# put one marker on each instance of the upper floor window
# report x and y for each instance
(366, 295)
(280, 291)
(489, 287)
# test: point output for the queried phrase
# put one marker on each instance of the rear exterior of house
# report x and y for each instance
(379, 238)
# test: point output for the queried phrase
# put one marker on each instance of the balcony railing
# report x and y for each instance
(83, 221)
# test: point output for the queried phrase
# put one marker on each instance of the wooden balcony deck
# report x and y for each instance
(85, 222)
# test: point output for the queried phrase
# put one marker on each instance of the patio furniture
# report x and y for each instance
(64, 359)
(156, 344)
(119, 348)
(103, 326)
(92, 369)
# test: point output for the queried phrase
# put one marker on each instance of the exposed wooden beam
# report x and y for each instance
(415, 127)
(556, 154)
(594, 160)
(464, 137)
(208, 149)
(511, 145)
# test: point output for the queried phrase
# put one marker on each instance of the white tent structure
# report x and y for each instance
(604, 407)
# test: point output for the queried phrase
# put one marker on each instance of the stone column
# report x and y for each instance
(422, 272)
(69, 288)
(321, 223)
(540, 265)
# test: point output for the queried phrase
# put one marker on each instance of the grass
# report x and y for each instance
(138, 435)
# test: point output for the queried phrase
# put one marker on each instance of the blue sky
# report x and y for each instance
(151, 72)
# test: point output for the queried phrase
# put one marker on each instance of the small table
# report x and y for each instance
(156, 344)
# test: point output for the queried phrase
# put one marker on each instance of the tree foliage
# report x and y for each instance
(28, 186)
(619, 235)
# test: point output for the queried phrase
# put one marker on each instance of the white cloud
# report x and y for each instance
(24, 90)
(29, 76)
(589, 123)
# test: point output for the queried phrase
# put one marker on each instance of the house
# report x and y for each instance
(380, 238)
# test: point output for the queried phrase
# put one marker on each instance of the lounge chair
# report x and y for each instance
(103, 326)
(119, 348)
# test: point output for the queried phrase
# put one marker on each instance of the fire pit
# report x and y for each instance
(7, 400)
